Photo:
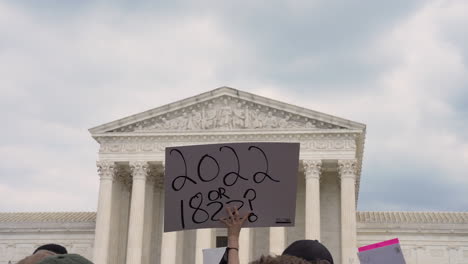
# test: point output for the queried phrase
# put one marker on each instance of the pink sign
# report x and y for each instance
(386, 252)
(380, 244)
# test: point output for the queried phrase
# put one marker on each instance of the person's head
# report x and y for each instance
(37, 257)
(310, 250)
(65, 259)
(280, 260)
(286, 259)
(57, 249)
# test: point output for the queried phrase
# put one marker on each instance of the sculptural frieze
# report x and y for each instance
(226, 114)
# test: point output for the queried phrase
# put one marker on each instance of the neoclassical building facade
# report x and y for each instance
(128, 227)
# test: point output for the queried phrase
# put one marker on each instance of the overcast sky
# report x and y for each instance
(400, 67)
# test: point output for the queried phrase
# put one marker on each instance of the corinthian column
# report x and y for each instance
(312, 170)
(453, 254)
(347, 171)
(244, 245)
(204, 240)
(169, 247)
(149, 218)
(106, 170)
(139, 171)
(277, 240)
(168, 239)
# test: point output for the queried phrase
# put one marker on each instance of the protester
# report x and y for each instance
(42, 252)
(36, 257)
(53, 254)
(57, 249)
(299, 252)
(65, 259)
(310, 250)
(280, 260)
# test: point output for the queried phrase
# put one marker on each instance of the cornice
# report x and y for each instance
(233, 135)
(413, 217)
(53, 217)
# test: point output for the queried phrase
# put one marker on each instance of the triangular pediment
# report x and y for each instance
(226, 109)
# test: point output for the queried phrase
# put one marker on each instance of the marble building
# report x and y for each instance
(128, 225)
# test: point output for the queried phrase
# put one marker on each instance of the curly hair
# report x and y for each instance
(286, 259)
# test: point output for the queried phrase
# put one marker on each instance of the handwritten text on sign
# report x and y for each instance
(257, 177)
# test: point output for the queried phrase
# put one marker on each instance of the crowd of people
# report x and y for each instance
(299, 252)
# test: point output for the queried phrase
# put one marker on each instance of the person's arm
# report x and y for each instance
(234, 225)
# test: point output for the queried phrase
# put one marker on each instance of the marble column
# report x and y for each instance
(244, 245)
(115, 224)
(139, 170)
(10, 251)
(106, 170)
(169, 247)
(204, 240)
(277, 240)
(156, 236)
(453, 254)
(420, 250)
(347, 173)
(148, 221)
(124, 217)
(169, 240)
(312, 171)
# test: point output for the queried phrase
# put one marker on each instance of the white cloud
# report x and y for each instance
(419, 90)
(33, 200)
(409, 112)
(60, 77)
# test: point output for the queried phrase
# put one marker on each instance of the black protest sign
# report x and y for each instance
(201, 180)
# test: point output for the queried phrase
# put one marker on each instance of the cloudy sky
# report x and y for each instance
(401, 67)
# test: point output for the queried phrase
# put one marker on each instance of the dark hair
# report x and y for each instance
(310, 250)
(57, 249)
(285, 259)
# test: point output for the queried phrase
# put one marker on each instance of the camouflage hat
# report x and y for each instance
(65, 259)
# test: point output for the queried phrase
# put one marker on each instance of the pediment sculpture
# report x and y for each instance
(226, 114)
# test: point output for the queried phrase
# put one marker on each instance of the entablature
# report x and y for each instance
(313, 145)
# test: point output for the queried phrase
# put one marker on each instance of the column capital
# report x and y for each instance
(155, 174)
(124, 175)
(312, 168)
(159, 180)
(139, 170)
(347, 168)
(106, 169)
